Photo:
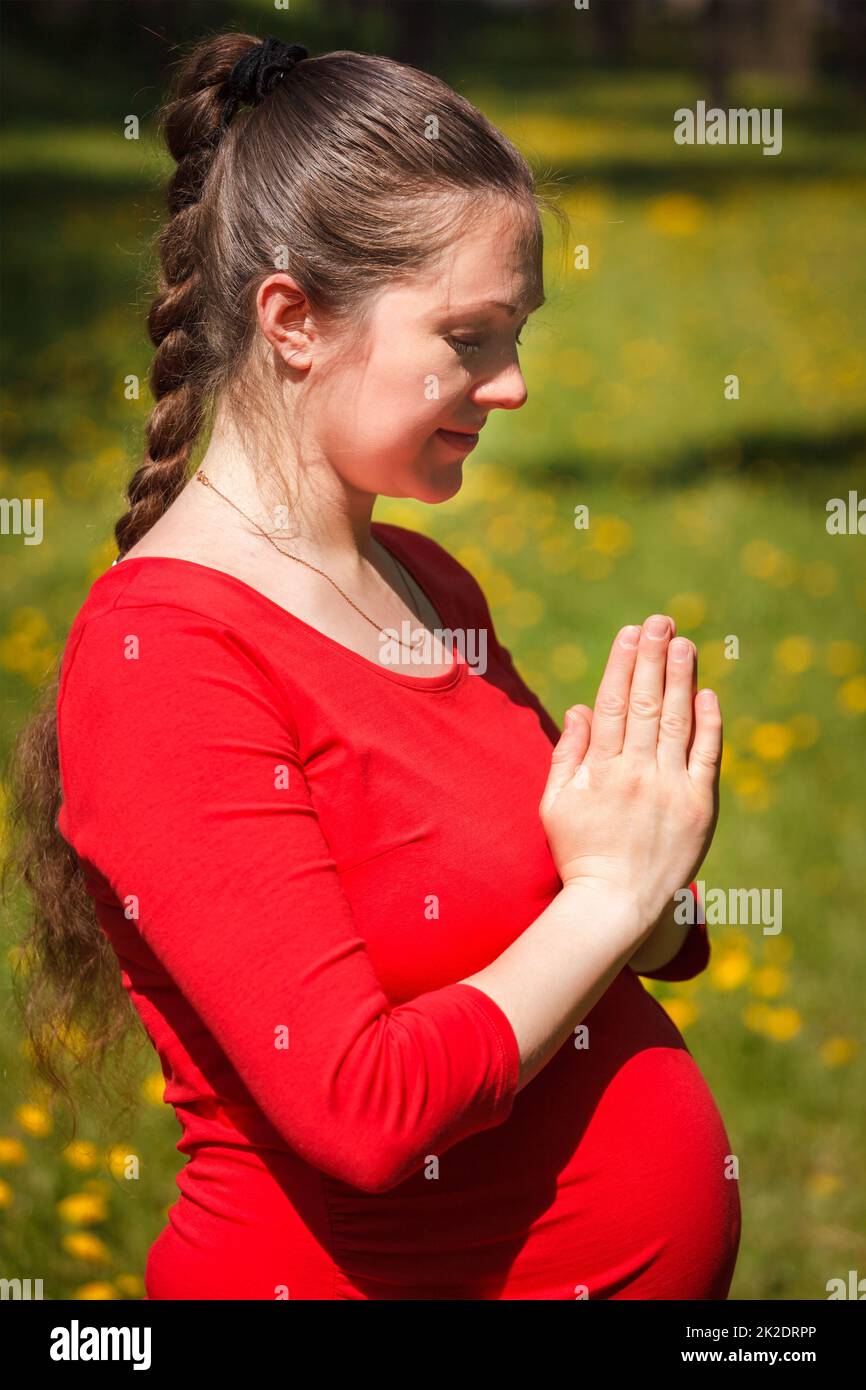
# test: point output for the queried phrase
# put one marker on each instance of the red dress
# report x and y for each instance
(297, 854)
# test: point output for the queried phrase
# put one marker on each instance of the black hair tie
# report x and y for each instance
(258, 71)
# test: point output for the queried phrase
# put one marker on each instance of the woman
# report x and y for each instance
(382, 922)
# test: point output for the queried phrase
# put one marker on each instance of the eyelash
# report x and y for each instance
(463, 349)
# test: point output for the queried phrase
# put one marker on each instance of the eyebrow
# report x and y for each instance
(498, 304)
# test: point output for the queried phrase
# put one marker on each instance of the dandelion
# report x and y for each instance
(130, 1284)
(852, 695)
(118, 1159)
(83, 1245)
(82, 1209)
(153, 1088)
(568, 661)
(843, 658)
(5, 1194)
(837, 1052)
(729, 969)
(675, 214)
(525, 609)
(34, 1120)
(680, 1011)
(772, 742)
(95, 1291)
(611, 535)
(823, 1184)
(687, 610)
(12, 1151)
(794, 655)
(819, 579)
(769, 981)
(780, 1024)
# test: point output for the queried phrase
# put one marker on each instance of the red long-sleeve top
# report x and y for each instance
(297, 854)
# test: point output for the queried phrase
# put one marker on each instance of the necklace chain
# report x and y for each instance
(203, 478)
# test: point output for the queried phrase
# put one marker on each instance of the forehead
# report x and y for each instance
(496, 261)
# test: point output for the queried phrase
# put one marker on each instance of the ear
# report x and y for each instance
(285, 320)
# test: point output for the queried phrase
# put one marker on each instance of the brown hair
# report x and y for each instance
(335, 170)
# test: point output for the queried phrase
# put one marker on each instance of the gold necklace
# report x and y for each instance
(203, 478)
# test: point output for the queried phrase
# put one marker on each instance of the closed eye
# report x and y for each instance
(466, 346)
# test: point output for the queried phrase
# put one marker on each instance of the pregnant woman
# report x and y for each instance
(383, 923)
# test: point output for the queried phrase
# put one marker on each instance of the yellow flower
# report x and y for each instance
(525, 609)
(837, 1052)
(95, 1291)
(153, 1088)
(769, 981)
(772, 741)
(823, 1184)
(729, 969)
(795, 655)
(750, 784)
(85, 1246)
(118, 1157)
(804, 730)
(675, 214)
(568, 661)
(611, 535)
(5, 1194)
(682, 1012)
(687, 610)
(819, 579)
(12, 1150)
(843, 658)
(130, 1284)
(779, 1024)
(34, 1120)
(82, 1209)
(81, 1154)
(852, 695)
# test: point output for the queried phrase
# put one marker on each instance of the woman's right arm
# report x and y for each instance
(629, 809)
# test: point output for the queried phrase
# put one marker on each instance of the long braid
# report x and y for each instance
(181, 373)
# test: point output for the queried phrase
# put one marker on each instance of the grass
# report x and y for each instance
(708, 508)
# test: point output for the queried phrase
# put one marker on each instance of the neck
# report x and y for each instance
(310, 506)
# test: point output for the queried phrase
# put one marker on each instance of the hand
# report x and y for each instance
(631, 801)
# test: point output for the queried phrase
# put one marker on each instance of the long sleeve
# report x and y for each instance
(694, 954)
(185, 790)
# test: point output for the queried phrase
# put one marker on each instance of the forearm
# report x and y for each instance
(548, 980)
(662, 944)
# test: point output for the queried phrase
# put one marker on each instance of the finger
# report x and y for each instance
(611, 703)
(677, 718)
(648, 687)
(706, 754)
(568, 754)
(694, 693)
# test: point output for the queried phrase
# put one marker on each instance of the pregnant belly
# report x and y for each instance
(608, 1180)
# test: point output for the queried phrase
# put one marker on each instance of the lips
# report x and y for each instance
(459, 439)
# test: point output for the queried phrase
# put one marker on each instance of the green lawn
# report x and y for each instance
(702, 263)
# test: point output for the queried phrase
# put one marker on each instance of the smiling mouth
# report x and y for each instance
(459, 439)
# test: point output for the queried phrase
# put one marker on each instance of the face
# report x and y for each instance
(399, 417)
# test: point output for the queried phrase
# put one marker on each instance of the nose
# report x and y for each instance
(504, 391)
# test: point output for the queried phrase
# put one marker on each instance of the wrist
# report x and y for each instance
(610, 907)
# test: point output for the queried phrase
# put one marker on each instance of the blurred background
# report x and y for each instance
(704, 261)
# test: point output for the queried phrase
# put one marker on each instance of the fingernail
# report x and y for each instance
(707, 697)
(629, 637)
(679, 649)
(658, 627)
